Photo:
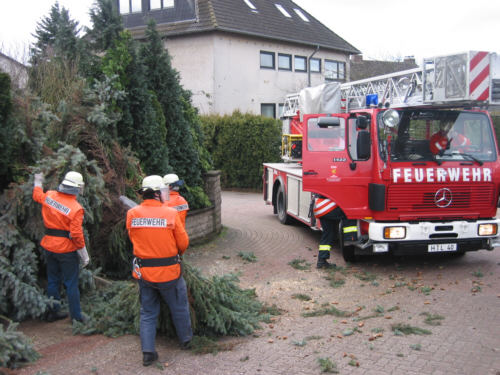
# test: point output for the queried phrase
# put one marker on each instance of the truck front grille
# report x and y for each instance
(421, 197)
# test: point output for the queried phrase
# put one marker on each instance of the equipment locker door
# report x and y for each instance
(331, 164)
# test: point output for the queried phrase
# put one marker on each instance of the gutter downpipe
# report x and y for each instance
(309, 66)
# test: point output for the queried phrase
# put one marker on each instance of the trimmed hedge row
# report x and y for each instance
(239, 144)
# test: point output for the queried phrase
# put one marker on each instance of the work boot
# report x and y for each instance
(84, 319)
(186, 345)
(323, 263)
(149, 358)
(52, 316)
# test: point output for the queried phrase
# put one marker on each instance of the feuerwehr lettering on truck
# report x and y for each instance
(412, 175)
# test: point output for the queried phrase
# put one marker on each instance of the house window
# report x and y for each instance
(334, 70)
(268, 110)
(160, 4)
(267, 60)
(124, 6)
(315, 65)
(283, 10)
(281, 108)
(300, 63)
(342, 71)
(130, 6)
(284, 62)
(301, 15)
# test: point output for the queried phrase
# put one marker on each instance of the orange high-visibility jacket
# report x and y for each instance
(156, 231)
(61, 211)
(322, 206)
(178, 202)
(438, 142)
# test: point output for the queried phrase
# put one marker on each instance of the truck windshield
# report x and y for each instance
(438, 135)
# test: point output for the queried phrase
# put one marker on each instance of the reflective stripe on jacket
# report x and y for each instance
(62, 212)
(178, 202)
(322, 206)
(156, 231)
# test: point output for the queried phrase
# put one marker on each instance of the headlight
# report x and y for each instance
(394, 232)
(390, 118)
(487, 229)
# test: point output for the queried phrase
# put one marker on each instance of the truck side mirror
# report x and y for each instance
(361, 122)
(363, 145)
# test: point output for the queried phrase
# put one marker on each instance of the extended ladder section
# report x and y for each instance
(466, 79)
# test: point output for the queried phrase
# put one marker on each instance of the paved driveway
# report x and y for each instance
(460, 296)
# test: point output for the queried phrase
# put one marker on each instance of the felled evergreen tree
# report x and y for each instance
(219, 307)
(5, 142)
(15, 348)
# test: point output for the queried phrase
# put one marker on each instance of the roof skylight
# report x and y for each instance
(301, 15)
(250, 5)
(283, 10)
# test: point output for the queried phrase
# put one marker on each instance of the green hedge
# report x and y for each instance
(239, 144)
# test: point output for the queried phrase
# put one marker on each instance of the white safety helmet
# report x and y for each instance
(74, 179)
(153, 182)
(172, 179)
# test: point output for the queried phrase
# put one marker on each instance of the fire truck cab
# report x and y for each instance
(413, 166)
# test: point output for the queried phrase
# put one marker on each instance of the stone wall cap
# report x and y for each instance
(213, 173)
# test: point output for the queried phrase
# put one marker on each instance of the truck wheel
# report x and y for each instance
(347, 250)
(281, 207)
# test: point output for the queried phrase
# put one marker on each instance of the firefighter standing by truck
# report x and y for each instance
(63, 242)
(159, 238)
(175, 200)
(329, 215)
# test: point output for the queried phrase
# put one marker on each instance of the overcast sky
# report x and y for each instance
(380, 29)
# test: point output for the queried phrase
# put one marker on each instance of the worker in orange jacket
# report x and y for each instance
(159, 238)
(329, 215)
(176, 200)
(64, 242)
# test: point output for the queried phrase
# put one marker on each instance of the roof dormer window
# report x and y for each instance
(250, 5)
(283, 10)
(301, 15)
(130, 6)
(160, 4)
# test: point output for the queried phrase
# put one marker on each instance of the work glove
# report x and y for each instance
(84, 256)
(38, 179)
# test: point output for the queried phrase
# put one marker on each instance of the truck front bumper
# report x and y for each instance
(430, 237)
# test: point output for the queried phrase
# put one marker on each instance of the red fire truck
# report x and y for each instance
(411, 158)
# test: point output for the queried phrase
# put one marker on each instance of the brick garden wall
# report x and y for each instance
(205, 223)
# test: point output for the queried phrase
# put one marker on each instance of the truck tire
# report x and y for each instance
(281, 206)
(347, 250)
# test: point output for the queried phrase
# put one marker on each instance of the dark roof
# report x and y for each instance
(370, 68)
(235, 16)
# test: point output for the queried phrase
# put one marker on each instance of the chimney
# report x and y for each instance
(409, 60)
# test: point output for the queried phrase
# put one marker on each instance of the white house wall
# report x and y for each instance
(18, 72)
(193, 58)
(223, 71)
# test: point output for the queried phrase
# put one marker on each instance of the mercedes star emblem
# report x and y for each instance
(443, 197)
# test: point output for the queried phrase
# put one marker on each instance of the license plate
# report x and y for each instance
(436, 248)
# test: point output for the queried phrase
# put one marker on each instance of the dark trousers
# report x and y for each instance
(64, 268)
(175, 295)
(329, 226)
